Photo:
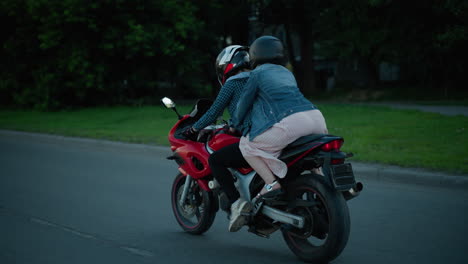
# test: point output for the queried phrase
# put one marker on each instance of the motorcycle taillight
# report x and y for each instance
(332, 145)
(337, 161)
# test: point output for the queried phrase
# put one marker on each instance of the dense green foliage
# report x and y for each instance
(378, 134)
(59, 53)
(71, 53)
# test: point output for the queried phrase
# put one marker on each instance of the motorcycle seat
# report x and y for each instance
(305, 139)
(299, 145)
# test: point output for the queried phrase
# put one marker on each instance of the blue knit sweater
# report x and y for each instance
(228, 97)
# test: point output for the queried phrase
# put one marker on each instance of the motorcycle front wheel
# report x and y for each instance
(327, 222)
(197, 212)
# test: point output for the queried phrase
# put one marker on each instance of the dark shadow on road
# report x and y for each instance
(211, 248)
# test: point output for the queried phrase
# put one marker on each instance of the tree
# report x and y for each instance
(299, 17)
(78, 52)
(425, 37)
(224, 23)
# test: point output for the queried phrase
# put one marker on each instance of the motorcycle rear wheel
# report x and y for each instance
(197, 213)
(327, 224)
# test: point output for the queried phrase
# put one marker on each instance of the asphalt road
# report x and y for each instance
(84, 201)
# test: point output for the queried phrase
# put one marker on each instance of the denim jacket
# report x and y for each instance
(270, 94)
(227, 98)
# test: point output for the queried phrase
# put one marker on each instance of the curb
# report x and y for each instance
(102, 144)
(390, 173)
(363, 171)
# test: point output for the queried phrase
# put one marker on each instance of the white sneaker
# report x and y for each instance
(237, 220)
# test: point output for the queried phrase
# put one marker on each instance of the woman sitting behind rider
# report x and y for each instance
(231, 67)
(277, 113)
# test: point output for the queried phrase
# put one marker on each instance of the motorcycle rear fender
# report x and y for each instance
(303, 147)
(339, 176)
(317, 159)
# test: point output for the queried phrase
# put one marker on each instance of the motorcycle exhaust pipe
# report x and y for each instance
(283, 217)
(353, 192)
(298, 221)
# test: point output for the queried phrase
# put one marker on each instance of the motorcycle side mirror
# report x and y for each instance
(168, 103)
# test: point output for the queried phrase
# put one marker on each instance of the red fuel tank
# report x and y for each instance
(222, 140)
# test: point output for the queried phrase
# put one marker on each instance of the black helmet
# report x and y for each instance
(230, 60)
(267, 49)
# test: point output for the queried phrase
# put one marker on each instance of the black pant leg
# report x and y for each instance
(227, 157)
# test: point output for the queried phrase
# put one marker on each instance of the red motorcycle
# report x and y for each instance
(313, 215)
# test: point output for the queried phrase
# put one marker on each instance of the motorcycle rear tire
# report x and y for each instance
(204, 218)
(337, 216)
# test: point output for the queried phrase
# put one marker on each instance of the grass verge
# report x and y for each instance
(407, 138)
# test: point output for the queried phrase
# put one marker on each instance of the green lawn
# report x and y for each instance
(407, 138)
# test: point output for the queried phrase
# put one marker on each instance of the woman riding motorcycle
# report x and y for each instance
(231, 68)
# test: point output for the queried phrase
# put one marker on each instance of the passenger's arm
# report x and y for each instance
(246, 100)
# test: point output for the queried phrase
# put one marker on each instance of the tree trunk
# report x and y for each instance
(296, 65)
(303, 69)
(309, 87)
(373, 73)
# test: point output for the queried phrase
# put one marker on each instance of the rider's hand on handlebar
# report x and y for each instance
(190, 134)
(234, 132)
(204, 135)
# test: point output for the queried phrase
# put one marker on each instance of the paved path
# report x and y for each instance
(441, 109)
(68, 200)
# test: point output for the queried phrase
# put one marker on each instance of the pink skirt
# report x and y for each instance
(269, 144)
